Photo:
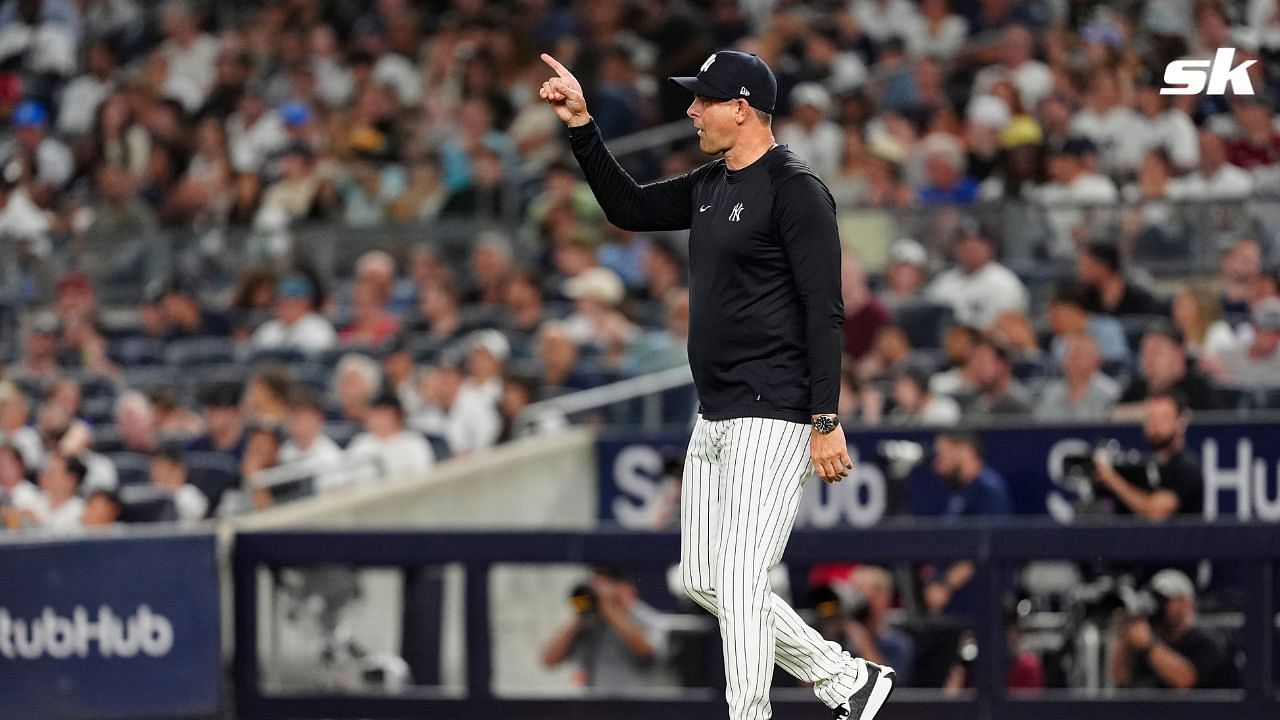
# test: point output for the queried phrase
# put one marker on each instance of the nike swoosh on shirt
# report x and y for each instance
(704, 208)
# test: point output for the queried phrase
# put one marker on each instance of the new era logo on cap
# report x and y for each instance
(728, 69)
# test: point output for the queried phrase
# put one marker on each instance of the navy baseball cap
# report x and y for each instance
(730, 74)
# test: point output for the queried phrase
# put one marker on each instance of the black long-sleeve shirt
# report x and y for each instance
(765, 308)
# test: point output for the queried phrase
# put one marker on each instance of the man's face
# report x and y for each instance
(1082, 359)
(1088, 270)
(305, 424)
(1243, 263)
(972, 253)
(1160, 361)
(716, 123)
(292, 309)
(55, 480)
(383, 421)
(985, 366)
(946, 461)
(1162, 425)
(166, 473)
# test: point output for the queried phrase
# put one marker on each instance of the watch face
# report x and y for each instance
(824, 424)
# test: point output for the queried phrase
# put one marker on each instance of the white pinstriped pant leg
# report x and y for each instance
(741, 492)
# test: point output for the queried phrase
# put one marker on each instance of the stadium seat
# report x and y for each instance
(151, 510)
(106, 439)
(924, 323)
(278, 356)
(133, 351)
(145, 378)
(341, 431)
(131, 467)
(214, 473)
(98, 410)
(439, 445)
(199, 351)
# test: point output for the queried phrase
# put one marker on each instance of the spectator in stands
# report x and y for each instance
(14, 415)
(1015, 332)
(400, 373)
(301, 193)
(1163, 366)
(1168, 127)
(372, 323)
(523, 311)
(558, 356)
(262, 452)
(136, 421)
(489, 195)
(169, 474)
(356, 380)
(869, 631)
(1216, 179)
(185, 316)
(1239, 273)
(59, 507)
(947, 181)
(597, 321)
(998, 393)
(46, 160)
(223, 419)
(666, 348)
(40, 351)
(864, 315)
(978, 288)
(1069, 317)
(76, 301)
(973, 490)
(487, 350)
(438, 317)
(1258, 142)
(266, 395)
(16, 492)
(102, 508)
(1178, 485)
(170, 420)
(253, 300)
(914, 404)
(618, 641)
(424, 194)
(120, 214)
(1098, 268)
(306, 441)
(890, 351)
(1075, 195)
(935, 32)
(490, 263)
(1257, 363)
(809, 134)
(1197, 312)
(957, 346)
(1110, 123)
(401, 454)
(1170, 649)
(1084, 392)
(1032, 78)
(664, 270)
(907, 275)
(518, 392)
(296, 326)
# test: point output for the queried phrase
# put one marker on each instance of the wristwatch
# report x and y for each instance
(825, 424)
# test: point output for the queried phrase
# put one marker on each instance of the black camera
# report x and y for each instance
(1106, 595)
(1080, 475)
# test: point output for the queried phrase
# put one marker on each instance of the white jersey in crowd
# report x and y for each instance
(190, 503)
(980, 297)
(821, 148)
(1063, 209)
(312, 333)
(324, 455)
(1120, 134)
(404, 455)
(64, 518)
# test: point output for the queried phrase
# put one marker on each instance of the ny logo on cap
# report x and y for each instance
(707, 64)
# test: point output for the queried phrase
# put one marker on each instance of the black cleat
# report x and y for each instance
(877, 682)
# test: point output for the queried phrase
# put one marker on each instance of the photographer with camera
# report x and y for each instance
(617, 639)
(1177, 484)
(1158, 643)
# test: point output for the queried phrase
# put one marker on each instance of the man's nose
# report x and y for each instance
(691, 112)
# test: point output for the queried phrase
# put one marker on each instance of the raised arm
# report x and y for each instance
(665, 205)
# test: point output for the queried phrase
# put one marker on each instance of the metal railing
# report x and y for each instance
(994, 549)
(648, 389)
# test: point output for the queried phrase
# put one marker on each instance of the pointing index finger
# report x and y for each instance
(561, 70)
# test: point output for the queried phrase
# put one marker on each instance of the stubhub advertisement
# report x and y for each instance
(107, 628)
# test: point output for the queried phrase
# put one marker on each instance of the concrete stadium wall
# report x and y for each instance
(546, 483)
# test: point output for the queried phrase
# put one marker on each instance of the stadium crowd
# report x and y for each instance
(124, 117)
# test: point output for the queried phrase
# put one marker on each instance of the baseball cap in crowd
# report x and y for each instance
(1171, 583)
(730, 74)
(811, 94)
(1266, 314)
(295, 113)
(492, 342)
(907, 250)
(29, 114)
(597, 283)
(1168, 331)
(45, 323)
(989, 111)
(294, 287)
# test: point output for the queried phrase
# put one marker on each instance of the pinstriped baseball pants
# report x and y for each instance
(741, 491)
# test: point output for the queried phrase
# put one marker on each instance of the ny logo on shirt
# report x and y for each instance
(736, 214)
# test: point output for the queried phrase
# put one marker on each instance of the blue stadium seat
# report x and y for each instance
(152, 510)
(106, 439)
(279, 356)
(146, 378)
(439, 446)
(214, 473)
(98, 410)
(924, 323)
